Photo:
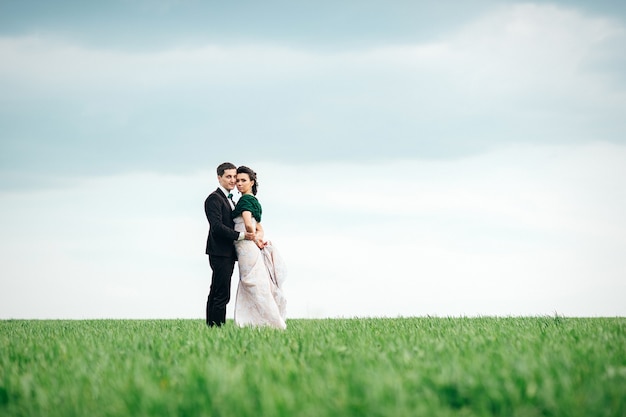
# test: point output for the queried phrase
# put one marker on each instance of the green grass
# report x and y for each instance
(540, 366)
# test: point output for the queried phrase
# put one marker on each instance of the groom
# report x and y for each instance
(220, 245)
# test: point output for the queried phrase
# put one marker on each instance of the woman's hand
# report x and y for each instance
(260, 243)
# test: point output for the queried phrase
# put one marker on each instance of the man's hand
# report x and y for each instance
(250, 236)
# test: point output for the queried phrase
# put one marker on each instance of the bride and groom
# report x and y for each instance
(236, 234)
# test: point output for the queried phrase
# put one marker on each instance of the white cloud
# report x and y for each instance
(525, 230)
(505, 52)
(520, 74)
(513, 230)
(61, 63)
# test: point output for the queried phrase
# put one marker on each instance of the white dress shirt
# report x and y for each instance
(232, 203)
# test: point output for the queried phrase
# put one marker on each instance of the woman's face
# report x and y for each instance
(244, 185)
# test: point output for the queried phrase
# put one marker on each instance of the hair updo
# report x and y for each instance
(245, 170)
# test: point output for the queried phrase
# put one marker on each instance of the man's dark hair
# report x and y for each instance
(223, 167)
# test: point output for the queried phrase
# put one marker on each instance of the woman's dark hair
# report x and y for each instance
(245, 170)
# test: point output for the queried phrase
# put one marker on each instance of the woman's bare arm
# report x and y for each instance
(247, 221)
(260, 233)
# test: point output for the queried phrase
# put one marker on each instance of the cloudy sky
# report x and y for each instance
(445, 159)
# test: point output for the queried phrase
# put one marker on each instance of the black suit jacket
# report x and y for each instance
(221, 226)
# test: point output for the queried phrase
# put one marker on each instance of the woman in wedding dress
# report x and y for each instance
(260, 300)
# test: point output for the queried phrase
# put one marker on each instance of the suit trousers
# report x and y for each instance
(219, 293)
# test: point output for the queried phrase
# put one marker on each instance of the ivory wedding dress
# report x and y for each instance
(260, 300)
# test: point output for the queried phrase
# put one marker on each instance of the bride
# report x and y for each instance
(260, 300)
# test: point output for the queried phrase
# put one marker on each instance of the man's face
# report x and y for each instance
(229, 179)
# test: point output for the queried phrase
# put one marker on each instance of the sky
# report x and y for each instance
(414, 158)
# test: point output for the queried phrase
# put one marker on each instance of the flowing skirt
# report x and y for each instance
(260, 300)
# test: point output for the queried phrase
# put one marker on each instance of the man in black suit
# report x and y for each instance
(220, 245)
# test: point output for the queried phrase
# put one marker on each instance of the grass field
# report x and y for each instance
(540, 366)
